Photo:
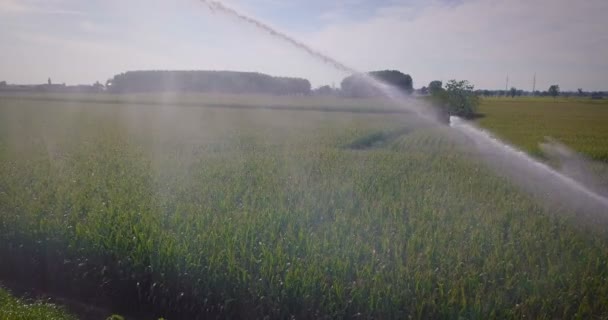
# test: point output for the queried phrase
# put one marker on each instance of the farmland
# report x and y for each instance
(580, 123)
(11, 308)
(318, 207)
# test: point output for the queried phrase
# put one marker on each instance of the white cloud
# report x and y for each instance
(147, 37)
(35, 7)
(10, 6)
(34, 57)
(481, 40)
(478, 40)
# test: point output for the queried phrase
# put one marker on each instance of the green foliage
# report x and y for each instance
(461, 99)
(246, 213)
(14, 309)
(395, 78)
(324, 91)
(435, 87)
(554, 90)
(377, 138)
(357, 86)
(456, 99)
(525, 122)
(206, 81)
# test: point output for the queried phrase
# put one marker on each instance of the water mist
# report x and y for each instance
(538, 178)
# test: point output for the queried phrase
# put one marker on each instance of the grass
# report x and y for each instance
(15, 309)
(579, 123)
(190, 212)
(216, 100)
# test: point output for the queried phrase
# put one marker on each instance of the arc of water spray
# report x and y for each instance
(216, 5)
(389, 91)
(479, 136)
(491, 143)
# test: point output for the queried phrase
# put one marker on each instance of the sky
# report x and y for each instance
(483, 41)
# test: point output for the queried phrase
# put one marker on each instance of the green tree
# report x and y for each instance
(395, 78)
(435, 86)
(357, 85)
(554, 90)
(513, 92)
(324, 91)
(459, 99)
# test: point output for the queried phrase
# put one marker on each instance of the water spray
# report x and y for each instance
(513, 162)
(530, 172)
(220, 7)
(389, 91)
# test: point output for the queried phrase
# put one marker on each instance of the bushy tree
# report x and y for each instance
(554, 90)
(435, 86)
(458, 99)
(513, 92)
(357, 85)
(396, 79)
(324, 91)
(461, 99)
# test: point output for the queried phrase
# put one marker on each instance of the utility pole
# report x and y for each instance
(534, 85)
(507, 85)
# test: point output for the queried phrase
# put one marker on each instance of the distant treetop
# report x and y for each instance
(357, 86)
(206, 81)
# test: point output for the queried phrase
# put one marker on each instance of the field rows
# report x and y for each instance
(251, 213)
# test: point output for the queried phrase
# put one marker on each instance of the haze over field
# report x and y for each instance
(303, 160)
(82, 42)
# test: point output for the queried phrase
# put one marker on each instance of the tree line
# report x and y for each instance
(553, 91)
(356, 85)
(206, 81)
(359, 85)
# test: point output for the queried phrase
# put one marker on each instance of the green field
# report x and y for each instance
(11, 309)
(160, 204)
(580, 123)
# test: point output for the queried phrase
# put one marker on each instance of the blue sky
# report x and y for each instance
(76, 41)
